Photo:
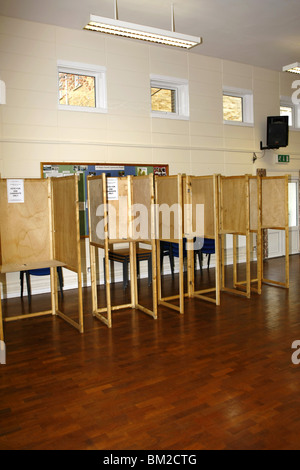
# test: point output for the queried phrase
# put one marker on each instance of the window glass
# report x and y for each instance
(232, 108)
(287, 111)
(293, 204)
(163, 99)
(77, 90)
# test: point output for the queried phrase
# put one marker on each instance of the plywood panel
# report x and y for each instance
(253, 195)
(25, 227)
(203, 193)
(95, 188)
(118, 211)
(169, 222)
(65, 220)
(142, 200)
(274, 202)
(233, 205)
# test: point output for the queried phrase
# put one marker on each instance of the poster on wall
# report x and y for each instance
(83, 170)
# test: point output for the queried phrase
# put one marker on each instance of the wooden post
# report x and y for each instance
(106, 248)
(93, 270)
(188, 221)
(287, 234)
(180, 235)
(217, 239)
(259, 237)
(234, 260)
(1, 319)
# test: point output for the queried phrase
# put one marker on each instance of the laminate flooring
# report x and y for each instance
(213, 378)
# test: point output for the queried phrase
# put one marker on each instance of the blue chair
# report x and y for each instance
(174, 249)
(208, 249)
(166, 250)
(39, 272)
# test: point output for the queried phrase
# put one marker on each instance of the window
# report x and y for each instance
(288, 108)
(232, 108)
(169, 97)
(293, 204)
(288, 111)
(237, 106)
(81, 87)
(163, 99)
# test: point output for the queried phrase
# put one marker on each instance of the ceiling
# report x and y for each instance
(265, 33)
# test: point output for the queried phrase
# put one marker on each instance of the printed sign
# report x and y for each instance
(112, 189)
(15, 191)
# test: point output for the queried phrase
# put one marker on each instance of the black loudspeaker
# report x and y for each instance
(277, 131)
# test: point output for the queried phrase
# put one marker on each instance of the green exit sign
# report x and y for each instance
(283, 159)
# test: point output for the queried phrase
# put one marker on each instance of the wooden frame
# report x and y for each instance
(42, 231)
(169, 191)
(240, 204)
(255, 207)
(203, 190)
(275, 215)
(84, 169)
(136, 190)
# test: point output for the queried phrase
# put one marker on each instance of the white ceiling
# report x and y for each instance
(264, 33)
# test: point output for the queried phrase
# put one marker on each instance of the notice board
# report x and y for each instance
(83, 170)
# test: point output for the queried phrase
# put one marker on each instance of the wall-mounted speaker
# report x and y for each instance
(277, 131)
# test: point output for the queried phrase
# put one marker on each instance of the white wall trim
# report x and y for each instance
(129, 145)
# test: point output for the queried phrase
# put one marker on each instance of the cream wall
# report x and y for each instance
(33, 130)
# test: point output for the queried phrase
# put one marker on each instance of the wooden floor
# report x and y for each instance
(215, 378)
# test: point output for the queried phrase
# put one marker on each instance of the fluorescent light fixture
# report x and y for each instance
(293, 68)
(144, 33)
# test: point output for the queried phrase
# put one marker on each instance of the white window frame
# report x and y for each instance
(247, 98)
(287, 102)
(96, 71)
(181, 86)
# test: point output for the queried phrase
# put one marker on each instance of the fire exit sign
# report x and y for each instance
(283, 159)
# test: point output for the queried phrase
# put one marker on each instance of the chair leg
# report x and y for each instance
(201, 260)
(60, 278)
(149, 271)
(125, 274)
(28, 286)
(21, 282)
(208, 261)
(171, 260)
(104, 273)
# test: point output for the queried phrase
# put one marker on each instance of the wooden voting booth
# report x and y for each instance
(39, 227)
(240, 215)
(275, 215)
(202, 199)
(169, 228)
(112, 203)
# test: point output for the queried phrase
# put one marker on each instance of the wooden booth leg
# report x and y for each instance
(154, 278)
(158, 263)
(1, 322)
(181, 278)
(54, 294)
(93, 278)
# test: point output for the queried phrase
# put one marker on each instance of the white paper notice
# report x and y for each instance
(15, 191)
(112, 189)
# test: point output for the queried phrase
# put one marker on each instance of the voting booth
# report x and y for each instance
(39, 228)
(112, 220)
